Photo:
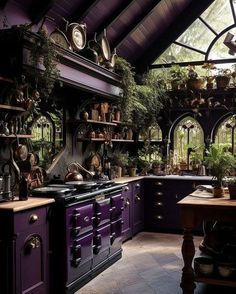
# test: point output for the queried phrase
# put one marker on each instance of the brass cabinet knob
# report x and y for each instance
(159, 204)
(127, 202)
(159, 217)
(159, 183)
(159, 193)
(126, 188)
(33, 218)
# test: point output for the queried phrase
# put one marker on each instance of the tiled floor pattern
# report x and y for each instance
(151, 264)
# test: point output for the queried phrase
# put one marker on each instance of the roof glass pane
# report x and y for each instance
(197, 36)
(176, 53)
(220, 50)
(218, 15)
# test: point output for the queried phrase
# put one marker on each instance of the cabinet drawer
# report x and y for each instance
(30, 218)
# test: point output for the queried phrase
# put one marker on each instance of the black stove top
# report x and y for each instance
(74, 192)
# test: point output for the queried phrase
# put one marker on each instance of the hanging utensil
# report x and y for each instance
(21, 151)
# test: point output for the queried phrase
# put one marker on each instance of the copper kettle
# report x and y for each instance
(73, 173)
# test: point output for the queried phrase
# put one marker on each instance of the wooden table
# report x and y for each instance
(193, 211)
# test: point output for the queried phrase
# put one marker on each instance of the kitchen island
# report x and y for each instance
(193, 211)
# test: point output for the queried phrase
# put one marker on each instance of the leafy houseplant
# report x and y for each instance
(44, 54)
(194, 82)
(223, 78)
(140, 103)
(178, 77)
(220, 162)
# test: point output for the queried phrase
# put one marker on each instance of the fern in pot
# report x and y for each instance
(220, 162)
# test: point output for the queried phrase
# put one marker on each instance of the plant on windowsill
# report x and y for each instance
(223, 78)
(178, 77)
(219, 161)
(194, 82)
(209, 67)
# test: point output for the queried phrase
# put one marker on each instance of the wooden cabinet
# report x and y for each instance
(161, 197)
(24, 245)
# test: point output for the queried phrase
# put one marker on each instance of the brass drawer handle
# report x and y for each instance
(33, 218)
(158, 183)
(159, 193)
(159, 217)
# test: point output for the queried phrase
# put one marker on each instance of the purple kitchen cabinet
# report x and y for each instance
(24, 252)
(138, 207)
(127, 213)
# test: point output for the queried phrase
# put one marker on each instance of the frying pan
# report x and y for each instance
(104, 44)
(21, 151)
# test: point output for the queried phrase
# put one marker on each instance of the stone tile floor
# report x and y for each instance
(151, 264)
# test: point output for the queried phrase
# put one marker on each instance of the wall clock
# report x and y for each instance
(60, 39)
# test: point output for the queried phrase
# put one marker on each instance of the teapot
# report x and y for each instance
(72, 173)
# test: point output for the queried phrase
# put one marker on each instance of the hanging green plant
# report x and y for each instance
(44, 53)
(129, 99)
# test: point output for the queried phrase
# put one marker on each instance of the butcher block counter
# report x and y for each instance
(195, 209)
(32, 202)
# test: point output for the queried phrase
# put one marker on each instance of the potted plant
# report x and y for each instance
(194, 82)
(231, 183)
(223, 78)
(219, 161)
(119, 159)
(178, 77)
(209, 67)
(132, 166)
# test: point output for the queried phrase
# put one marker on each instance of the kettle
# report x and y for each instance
(72, 173)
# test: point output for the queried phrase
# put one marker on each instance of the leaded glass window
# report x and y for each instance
(226, 133)
(188, 141)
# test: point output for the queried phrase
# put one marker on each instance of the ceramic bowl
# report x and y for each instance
(203, 266)
(226, 271)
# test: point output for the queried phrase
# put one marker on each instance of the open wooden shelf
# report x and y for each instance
(216, 281)
(11, 108)
(90, 121)
(122, 140)
(3, 79)
(14, 136)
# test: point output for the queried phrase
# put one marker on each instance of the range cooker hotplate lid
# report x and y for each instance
(82, 184)
(51, 191)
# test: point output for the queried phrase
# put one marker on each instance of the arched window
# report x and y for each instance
(153, 133)
(46, 138)
(203, 40)
(188, 142)
(226, 133)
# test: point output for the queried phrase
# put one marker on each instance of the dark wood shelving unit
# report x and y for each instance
(6, 80)
(122, 140)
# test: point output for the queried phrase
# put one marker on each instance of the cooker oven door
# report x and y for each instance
(101, 243)
(80, 255)
(102, 211)
(116, 206)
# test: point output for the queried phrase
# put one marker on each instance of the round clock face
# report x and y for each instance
(59, 39)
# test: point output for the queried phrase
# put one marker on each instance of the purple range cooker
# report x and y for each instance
(85, 231)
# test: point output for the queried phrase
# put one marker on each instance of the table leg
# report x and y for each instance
(188, 251)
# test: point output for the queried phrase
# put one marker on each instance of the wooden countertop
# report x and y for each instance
(124, 180)
(198, 201)
(32, 202)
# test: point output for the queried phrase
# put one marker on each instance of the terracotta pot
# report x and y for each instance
(132, 171)
(232, 191)
(218, 192)
(222, 82)
(195, 84)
